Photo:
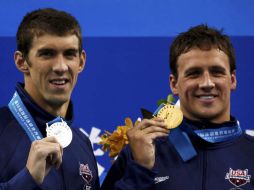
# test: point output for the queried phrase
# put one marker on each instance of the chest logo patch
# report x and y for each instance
(238, 177)
(86, 173)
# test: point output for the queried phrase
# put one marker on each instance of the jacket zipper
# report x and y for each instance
(204, 170)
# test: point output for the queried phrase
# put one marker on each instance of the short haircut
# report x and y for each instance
(204, 38)
(46, 21)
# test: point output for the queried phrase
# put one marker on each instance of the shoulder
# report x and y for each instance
(6, 117)
(249, 135)
(81, 134)
(249, 132)
(9, 127)
(80, 137)
(4, 113)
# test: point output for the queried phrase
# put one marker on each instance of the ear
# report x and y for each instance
(82, 61)
(233, 80)
(21, 62)
(173, 84)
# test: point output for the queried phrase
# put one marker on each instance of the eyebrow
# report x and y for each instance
(218, 68)
(75, 50)
(199, 69)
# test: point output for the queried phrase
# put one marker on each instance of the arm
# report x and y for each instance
(22, 180)
(43, 155)
(126, 174)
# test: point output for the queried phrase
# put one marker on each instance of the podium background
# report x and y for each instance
(127, 45)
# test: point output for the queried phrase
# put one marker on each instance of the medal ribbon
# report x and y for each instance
(180, 141)
(24, 118)
(219, 135)
(184, 147)
(58, 119)
(183, 144)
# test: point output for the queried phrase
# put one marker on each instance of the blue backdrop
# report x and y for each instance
(127, 55)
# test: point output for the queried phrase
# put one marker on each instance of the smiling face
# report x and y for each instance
(51, 69)
(204, 84)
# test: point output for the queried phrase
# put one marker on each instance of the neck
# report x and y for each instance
(219, 118)
(56, 108)
(207, 124)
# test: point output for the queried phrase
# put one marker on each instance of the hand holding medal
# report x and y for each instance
(141, 140)
(43, 155)
(142, 134)
(142, 137)
(47, 152)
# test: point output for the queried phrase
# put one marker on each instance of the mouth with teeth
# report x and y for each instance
(59, 83)
(207, 98)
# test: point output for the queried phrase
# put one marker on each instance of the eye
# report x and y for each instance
(70, 54)
(218, 71)
(46, 53)
(193, 73)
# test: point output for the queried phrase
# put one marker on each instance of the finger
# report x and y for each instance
(158, 119)
(57, 160)
(156, 135)
(51, 139)
(55, 156)
(60, 157)
(152, 122)
(157, 122)
(154, 129)
(160, 122)
(43, 149)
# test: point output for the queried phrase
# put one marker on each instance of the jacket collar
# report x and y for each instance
(206, 124)
(40, 116)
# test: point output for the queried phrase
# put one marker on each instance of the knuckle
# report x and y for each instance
(138, 137)
(58, 148)
(36, 146)
(35, 143)
(38, 150)
(129, 133)
(145, 121)
(131, 136)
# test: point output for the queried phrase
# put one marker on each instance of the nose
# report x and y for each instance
(60, 66)
(206, 82)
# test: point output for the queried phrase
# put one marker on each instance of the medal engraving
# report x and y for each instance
(61, 131)
(172, 115)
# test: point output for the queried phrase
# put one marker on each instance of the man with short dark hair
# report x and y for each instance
(208, 150)
(38, 147)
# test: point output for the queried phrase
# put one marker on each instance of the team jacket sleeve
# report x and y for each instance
(22, 180)
(126, 174)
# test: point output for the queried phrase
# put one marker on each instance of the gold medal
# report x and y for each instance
(172, 115)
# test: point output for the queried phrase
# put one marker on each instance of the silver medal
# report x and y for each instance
(61, 131)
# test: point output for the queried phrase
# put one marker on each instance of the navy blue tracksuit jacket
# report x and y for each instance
(218, 166)
(78, 170)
